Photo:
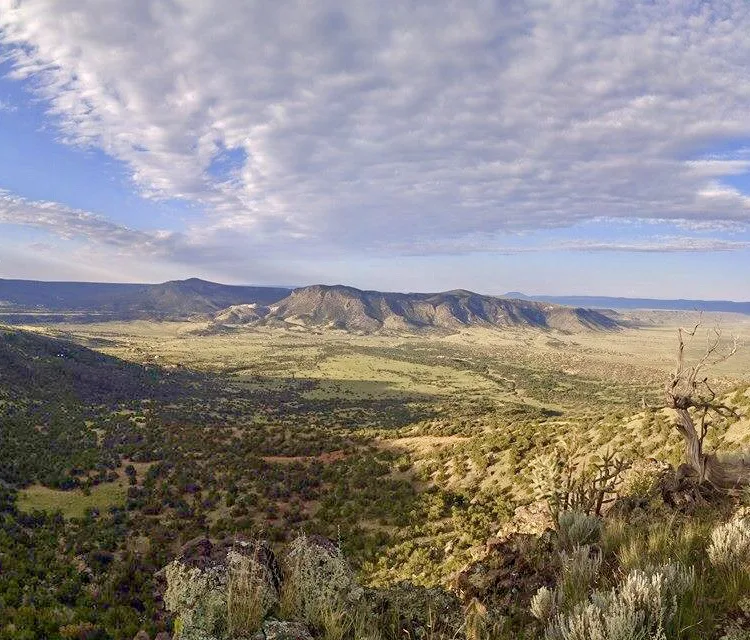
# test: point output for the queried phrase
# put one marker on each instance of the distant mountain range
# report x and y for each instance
(341, 307)
(337, 306)
(603, 302)
(91, 300)
(225, 306)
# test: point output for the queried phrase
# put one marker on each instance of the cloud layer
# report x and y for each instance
(364, 125)
(68, 224)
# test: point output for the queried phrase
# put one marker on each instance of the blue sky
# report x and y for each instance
(585, 146)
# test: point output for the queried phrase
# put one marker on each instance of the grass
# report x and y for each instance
(402, 376)
(72, 504)
(248, 596)
(650, 578)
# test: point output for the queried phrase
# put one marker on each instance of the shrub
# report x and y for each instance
(736, 633)
(730, 545)
(543, 604)
(641, 608)
(82, 631)
(575, 529)
(580, 570)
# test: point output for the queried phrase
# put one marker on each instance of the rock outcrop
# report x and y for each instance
(511, 572)
(283, 630)
(205, 580)
(232, 590)
(317, 575)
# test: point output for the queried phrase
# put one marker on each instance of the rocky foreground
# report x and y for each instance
(562, 578)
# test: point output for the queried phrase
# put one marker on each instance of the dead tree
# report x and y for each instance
(695, 403)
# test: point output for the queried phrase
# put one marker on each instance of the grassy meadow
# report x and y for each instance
(72, 504)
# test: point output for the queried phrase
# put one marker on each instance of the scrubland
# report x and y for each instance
(411, 450)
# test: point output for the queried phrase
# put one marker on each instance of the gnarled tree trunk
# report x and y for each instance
(721, 474)
(685, 391)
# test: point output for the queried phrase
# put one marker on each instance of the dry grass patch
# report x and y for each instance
(72, 504)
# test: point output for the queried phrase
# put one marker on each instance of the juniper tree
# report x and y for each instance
(695, 402)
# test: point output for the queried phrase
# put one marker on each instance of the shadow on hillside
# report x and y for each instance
(353, 403)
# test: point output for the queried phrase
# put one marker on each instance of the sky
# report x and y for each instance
(546, 146)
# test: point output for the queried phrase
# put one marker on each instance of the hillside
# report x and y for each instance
(347, 308)
(53, 393)
(25, 300)
(39, 368)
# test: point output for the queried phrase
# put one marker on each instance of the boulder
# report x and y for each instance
(528, 519)
(510, 573)
(200, 584)
(278, 630)
(317, 577)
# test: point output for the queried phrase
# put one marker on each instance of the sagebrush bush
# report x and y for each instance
(543, 604)
(640, 609)
(580, 570)
(730, 545)
(736, 634)
(655, 590)
(575, 529)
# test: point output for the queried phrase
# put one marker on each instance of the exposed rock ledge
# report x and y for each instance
(229, 590)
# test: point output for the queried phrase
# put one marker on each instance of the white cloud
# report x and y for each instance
(498, 244)
(367, 124)
(67, 223)
(99, 243)
(659, 244)
(217, 247)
